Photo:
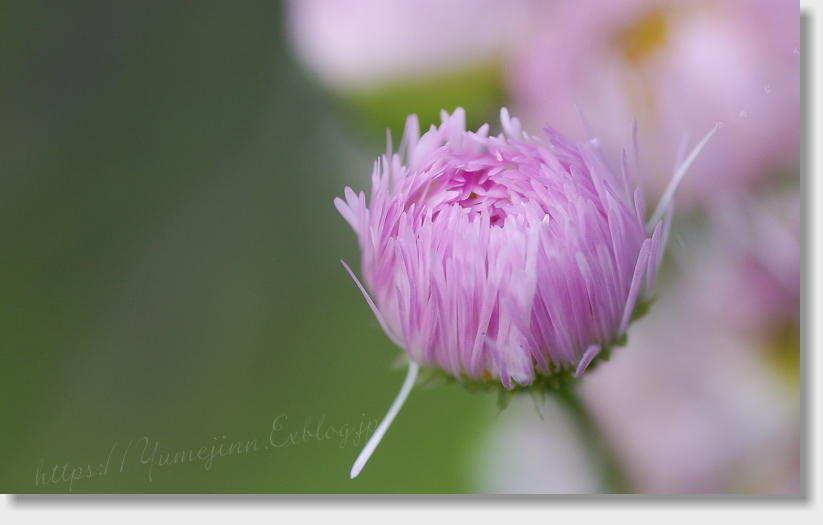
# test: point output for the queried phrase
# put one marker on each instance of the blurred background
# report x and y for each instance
(171, 285)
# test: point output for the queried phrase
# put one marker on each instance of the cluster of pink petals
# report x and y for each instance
(502, 257)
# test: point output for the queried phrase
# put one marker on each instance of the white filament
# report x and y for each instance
(364, 456)
(668, 195)
(373, 307)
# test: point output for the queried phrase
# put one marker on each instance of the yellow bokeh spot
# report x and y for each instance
(644, 37)
(784, 352)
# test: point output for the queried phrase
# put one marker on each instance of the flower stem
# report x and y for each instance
(615, 479)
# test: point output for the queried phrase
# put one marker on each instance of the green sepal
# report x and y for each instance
(543, 384)
(559, 380)
(504, 397)
(539, 398)
(641, 308)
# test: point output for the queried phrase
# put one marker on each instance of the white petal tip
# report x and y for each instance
(591, 352)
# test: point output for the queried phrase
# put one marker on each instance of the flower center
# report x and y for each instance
(478, 192)
(644, 37)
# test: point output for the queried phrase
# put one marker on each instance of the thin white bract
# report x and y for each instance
(364, 456)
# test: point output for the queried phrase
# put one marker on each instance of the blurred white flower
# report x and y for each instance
(524, 454)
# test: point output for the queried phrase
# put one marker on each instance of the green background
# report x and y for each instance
(170, 264)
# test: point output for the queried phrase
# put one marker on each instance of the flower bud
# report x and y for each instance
(510, 259)
(501, 258)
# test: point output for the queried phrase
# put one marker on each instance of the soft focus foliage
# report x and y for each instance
(170, 265)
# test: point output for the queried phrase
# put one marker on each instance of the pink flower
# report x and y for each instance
(757, 262)
(672, 65)
(501, 257)
(508, 258)
(357, 44)
(695, 406)
(689, 407)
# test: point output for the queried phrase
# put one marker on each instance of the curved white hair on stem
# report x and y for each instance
(368, 450)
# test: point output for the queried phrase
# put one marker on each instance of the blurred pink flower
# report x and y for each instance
(360, 43)
(502, 257)
(694, 407)
(757, 265)
(672, 65)
(689, 407)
